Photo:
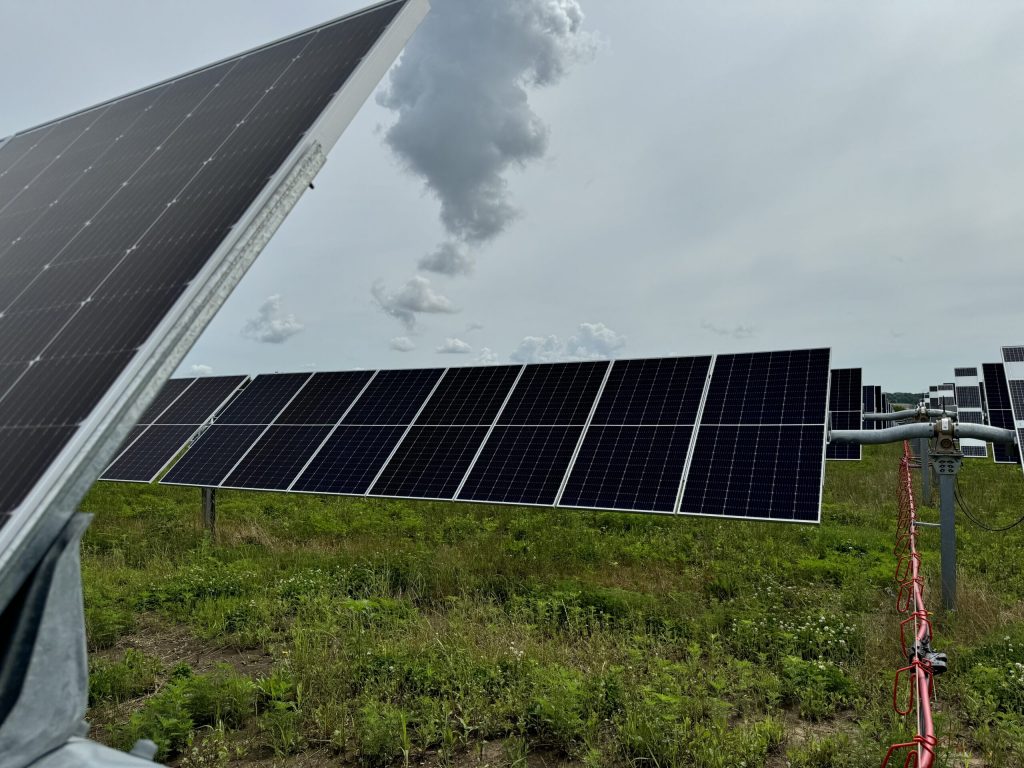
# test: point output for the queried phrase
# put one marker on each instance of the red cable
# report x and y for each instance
(910, 601)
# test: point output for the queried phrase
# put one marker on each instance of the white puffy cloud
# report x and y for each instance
(487, 356)
(452, 346)
(271, 325)
(592, 341)
(414, 298)
(402, 344)
(199, 369)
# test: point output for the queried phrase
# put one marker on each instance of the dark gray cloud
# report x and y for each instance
(271, 325)
(416, 297)
(461, 96)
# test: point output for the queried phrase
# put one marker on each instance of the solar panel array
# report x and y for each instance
(998, 410)
(872, 401)
(1013, 368)
(123, 226)
(181, 408)
(734, 435)
(967, 391)
(845, 407)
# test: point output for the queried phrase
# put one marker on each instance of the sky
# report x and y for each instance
(569, 179)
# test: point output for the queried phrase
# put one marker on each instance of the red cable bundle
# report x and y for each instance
(910, 601)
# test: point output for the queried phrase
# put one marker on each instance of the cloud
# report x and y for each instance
(450, 259)
(271, 325)
(453, 346)
(487, 356)
(201, 370)
(402, 344)
(475, 326)
(737, 332)
(593, 341)
(414, 298)
(463, 117)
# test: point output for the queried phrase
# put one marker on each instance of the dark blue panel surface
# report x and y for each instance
(658, 391)
(629, 468)
(107, 216)
(559, 393)
(469, 395)
(213, 455)
(844, 420)
(350, 460)
(769, 388)
(277, 457)
(750, 471)
(167, 395)
(430, 462)
(522, 465)
(201, 401)
(325, 398)
(394, 397)
(996, 391)
(263, 399)
(150, 453)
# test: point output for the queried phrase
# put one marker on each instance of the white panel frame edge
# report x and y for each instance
(53, 500)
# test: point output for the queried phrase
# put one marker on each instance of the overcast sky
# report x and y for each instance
(553, 179)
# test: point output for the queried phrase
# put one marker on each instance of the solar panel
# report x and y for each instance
(125, 225)
(257, 405)
(325, 398)
(492, 451)
(868, 404)
(173, 418)
(967, 391)
(1000, 413)
(845, 400)
(526, 455)
(1013, 369)
(638, 465)
(759, 449)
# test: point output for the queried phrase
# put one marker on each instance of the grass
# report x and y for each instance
(318, 631)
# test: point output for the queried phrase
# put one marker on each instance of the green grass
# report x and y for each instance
(323, 630)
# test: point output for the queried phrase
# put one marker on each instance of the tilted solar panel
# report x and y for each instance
(173, 421)
(845, 403)
(123, 228)
(967, 392)
(1013, 370)
(760, 444)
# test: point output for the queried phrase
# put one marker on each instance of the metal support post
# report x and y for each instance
(947, 459)
(210, 510)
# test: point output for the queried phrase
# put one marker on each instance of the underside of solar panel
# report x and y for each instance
(125, 226)
(845, 406)
(731, 436)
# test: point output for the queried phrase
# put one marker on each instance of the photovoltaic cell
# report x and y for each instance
(350, 460)
(1017, 395)
(522, 465)
(108, 215)
(430, 462)
(770, 467)
(213, 455)
(845, 402)
(469, 395)
(263, 399)
(325, 398)
(1013, 354)
(149, 454)
(995, 387)
(204, 397)
(635, 468)
(554, 394)
(772, 474)
(768, 388)
(965, 371)
(277, 457)
(968, 397)
(176, 414)
(656, 391)
(1013, 370)
(394, 397)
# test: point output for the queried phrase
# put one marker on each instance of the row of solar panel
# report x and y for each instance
(619, 435)
(1013, 397)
